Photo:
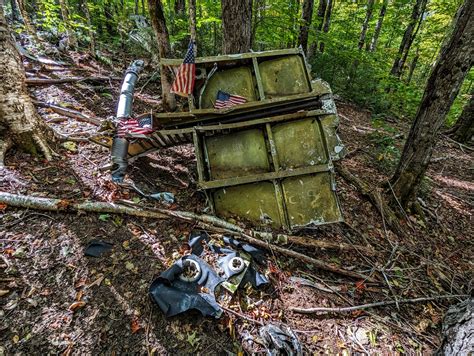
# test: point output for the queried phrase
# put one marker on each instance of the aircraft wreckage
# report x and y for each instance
(268, 158)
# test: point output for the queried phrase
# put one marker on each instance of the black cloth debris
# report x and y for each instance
(97, 248)
(280, 340)
(174, 295)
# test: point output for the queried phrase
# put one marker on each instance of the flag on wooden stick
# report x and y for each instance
(184, 82)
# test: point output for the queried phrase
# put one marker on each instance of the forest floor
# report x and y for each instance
(56, 300)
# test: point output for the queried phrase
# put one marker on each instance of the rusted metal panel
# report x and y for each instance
(275, 171)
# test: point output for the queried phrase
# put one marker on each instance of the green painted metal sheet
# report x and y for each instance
(241, 154)
(238, 81)
(257, 202)
(256, 151)
(284, 76)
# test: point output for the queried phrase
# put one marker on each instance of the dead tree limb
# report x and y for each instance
(377, 201)
(371, 305)
(315, 262)
(206, 221)
(43, 81)
(69, 113)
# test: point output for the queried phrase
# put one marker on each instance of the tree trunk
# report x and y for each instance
(18, 117)
(413, 65)
(15, 13)
(87, 14)
(305, 23)
(192, 19)
(378, 27)
(321, 12)
(458, 329)
(454, 62)
(136, 8)
(158, 22)
(26, 19)
(463, 129)
(408, 37)
(365, 25)
(327, 22)
(71, 36)
(236, 26)
(180, 7)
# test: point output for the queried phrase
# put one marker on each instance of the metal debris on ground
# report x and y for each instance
(280, 339)
(266, 159)
(194, 280)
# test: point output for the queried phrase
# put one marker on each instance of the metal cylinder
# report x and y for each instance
(119, 151)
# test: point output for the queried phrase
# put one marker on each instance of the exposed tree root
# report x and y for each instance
(375, 198)
(205, 221)
(69, 113)
(5, 144)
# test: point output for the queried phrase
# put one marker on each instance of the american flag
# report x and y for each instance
(226, 100)
(184, 82)
(135, 127)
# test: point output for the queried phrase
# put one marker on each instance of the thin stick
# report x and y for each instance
(371, 305)
(242, 316)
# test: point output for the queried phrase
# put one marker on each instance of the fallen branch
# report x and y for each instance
(266, 245)
(370, 192)
(372, 305)
(42, 81)
(69, 113)
(206, 221)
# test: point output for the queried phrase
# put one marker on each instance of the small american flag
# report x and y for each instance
(184, 82)
(226, 100)
(135, 127)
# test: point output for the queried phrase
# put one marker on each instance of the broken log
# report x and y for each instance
(375, 198)
(43, 81)
(371, 305)
(69, 113)
(206, 221)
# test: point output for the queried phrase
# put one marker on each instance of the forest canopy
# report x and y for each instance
(351, 44)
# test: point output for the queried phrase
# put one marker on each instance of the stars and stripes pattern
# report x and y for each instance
(185, 77)
(226, 100)
(135, 127)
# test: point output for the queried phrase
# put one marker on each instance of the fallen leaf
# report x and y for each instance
(3, 206)
(77, 305)
(3, 292)
(135, 325)
(16, 339)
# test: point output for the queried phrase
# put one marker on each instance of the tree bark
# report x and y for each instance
(306, 17)
(463, 129)
(15, 13)
(454, 62)
(236, 26)
(413, 65)
(180, 7)
(408, 37)
(85, 8)
(458, 329)
(158, 22)
(71, 36)
(327, 22)
(320, 23)
(378, 27)
(365, 24)
(27, 19)
(18, 115)
(192, 19)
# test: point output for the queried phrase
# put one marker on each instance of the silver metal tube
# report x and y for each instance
(119, 151)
